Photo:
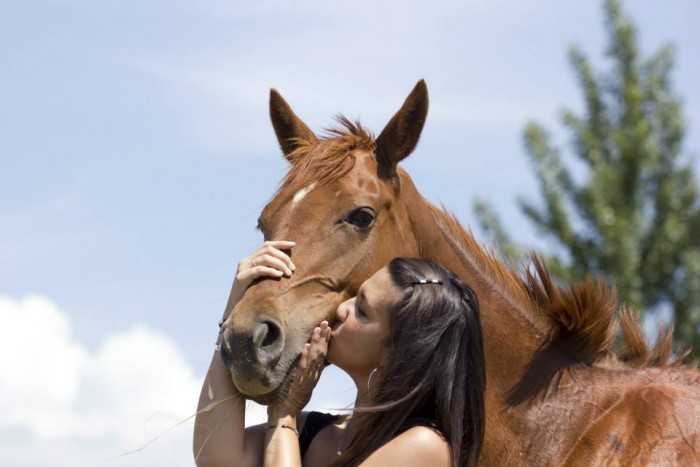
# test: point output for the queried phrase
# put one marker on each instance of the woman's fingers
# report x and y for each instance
(272, 254)
(304, 360)
(280, 244)
(268, 260)
(253, 273)
(314, 352)
(316, 346)
(275, 249)
(326, 330)
(273, 261)
(319, 344)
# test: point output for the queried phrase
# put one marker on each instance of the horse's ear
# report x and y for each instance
(289, 128)
(400, 136)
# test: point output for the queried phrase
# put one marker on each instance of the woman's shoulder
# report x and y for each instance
(417, 445)
(423, 437)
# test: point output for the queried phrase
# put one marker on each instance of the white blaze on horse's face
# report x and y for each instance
(301, 194)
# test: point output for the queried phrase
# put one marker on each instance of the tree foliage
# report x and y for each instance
(626, 204)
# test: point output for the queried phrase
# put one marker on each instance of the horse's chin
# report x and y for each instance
(277, 394)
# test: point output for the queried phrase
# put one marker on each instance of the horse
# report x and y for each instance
(558, 393)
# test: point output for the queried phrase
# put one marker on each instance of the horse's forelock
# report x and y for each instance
(329, 159)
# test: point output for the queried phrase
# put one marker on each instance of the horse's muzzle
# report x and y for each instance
(254, 357)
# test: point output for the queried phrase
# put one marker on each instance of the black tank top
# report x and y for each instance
(317, 421)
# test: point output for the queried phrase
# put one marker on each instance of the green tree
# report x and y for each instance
(627, 204)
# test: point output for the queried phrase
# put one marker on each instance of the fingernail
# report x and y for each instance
(279, 273)
(292, 267)
(317, 331)
(288, 271)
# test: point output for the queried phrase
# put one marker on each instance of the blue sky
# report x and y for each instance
(136, 153)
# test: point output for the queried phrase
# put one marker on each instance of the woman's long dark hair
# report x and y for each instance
(434, 370)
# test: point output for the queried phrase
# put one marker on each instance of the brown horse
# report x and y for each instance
(556, 392)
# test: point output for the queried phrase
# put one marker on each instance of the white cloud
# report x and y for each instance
(65, 405)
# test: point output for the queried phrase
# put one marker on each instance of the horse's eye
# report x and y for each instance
(361, 218)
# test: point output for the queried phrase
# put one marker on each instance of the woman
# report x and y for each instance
(411, 342)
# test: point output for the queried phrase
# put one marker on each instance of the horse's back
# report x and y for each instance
(650, 423)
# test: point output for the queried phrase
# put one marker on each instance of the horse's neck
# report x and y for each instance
(511, 336)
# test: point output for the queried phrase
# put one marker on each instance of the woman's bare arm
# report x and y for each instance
(220, 437)
(281, 442)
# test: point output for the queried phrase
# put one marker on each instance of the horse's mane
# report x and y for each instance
(580, 319)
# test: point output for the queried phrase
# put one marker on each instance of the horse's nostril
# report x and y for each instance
(268, 341)
(266, 334)
(273, 334)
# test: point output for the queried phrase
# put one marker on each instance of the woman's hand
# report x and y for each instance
(268, 260)
(308, 371)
